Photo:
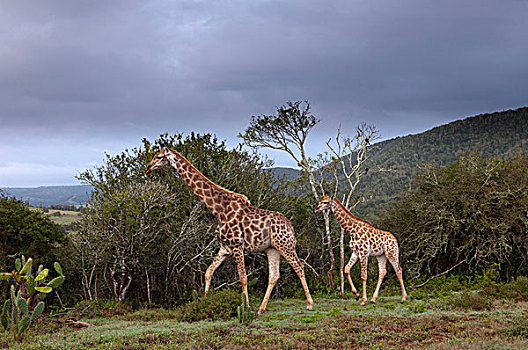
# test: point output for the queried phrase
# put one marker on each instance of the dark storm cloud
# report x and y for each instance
(101, 75)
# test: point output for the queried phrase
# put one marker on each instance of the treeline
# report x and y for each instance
(148, 240)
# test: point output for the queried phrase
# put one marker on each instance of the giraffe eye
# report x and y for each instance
(159, 157)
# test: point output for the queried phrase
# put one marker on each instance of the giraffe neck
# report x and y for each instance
(216, 198)
(345, 218)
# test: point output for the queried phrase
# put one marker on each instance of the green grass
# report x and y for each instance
(334, 323)
(66, 217)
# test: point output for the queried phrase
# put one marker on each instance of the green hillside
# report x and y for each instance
(500, 134)
(47, 196)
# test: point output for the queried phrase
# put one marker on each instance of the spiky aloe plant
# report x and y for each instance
(22, 307)
(245, 315)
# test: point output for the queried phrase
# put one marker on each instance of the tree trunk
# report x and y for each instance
(330, 272)
(148, 287)
(124, 289)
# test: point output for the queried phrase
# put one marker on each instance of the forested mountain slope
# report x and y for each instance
(501, 134)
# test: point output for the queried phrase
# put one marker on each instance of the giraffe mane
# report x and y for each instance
(206, 179)
(350, 214)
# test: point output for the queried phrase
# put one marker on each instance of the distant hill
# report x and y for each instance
(288, 173)
(500, 134)
(51, 195)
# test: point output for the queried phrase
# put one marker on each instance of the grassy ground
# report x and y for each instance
(335, 323)
(66, 217)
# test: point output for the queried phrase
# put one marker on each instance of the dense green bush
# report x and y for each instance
(475, 209)
(28, 231)
(515, 290)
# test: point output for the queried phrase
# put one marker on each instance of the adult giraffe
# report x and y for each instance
(241, 226)
(365, 241)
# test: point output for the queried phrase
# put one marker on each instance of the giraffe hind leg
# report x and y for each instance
(274, 275)
(394, 260)
(287, 249)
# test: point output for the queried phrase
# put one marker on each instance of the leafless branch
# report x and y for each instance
(440, 274)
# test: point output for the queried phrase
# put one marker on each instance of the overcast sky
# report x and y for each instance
(80, 78)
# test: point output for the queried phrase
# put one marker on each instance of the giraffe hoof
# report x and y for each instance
(372, 302)
(357, 298)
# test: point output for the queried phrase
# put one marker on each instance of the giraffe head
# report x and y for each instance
(160, 159)
(325, 203)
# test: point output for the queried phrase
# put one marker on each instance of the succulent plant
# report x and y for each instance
(22, 308)
(245, 315)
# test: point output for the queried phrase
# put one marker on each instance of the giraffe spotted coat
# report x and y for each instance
(365, 241)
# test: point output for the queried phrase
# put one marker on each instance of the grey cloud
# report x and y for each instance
(111, 72)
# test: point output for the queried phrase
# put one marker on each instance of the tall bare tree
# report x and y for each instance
(287, 131)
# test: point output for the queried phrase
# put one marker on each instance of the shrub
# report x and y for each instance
(100, 308)
(473, 209)
(147, 315)
(470, 300)
(418, 307)
(516, 290)
(221, 305)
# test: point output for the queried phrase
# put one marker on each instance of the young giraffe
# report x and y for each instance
(365, 241)
(241, 226)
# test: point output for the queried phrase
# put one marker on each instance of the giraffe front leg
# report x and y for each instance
(348, 267)
(241, 267)
(364, 265)
(220, 257)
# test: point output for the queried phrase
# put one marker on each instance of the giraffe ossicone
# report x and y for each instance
(241, 226)
(365, 241)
